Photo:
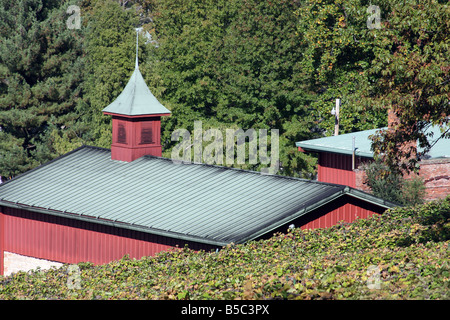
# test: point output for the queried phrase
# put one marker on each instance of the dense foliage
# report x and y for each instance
(412, 65)
(402, 254)
(231, 64)
(392, 186)
(390, 56)
(41, 74)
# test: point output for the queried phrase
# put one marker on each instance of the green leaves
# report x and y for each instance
(338, 52)
(231, 64)
(411, 62)
(40, 78)
(341, 262)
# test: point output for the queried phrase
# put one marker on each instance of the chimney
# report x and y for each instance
(392, 119)
(405, 146)
(136, 120)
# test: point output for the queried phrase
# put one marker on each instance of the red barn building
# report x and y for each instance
(97, 205)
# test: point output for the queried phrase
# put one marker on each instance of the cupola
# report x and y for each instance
(136, 120)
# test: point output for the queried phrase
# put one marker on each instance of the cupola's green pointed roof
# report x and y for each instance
(136, 99)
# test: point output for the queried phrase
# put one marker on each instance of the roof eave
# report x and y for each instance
(146, 115)
(370, 198)
(316, 148)
(294, 216)
(117, 224)
(345, 191)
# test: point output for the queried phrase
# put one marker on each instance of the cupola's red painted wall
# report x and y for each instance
(135, 136)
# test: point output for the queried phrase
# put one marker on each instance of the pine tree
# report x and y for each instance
(41, 67)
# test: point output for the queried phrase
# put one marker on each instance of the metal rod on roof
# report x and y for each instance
(353, 153)
(336, 118)
(137, 46)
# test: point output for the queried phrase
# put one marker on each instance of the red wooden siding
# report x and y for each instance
(72, 241)
(345, 209)
(128, 143)
(2, 256)
(335, 168)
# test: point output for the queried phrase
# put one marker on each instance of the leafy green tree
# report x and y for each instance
(338, 52)
(392, 186)
(235, 62)
(412, 63)
(110, 46)
(388, 56)
(41, 67)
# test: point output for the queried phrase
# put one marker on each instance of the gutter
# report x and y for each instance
(370, 198)
(317, 148)
(344, 191)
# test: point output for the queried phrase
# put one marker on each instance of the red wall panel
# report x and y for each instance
(346, 209)
(338, 176)
(335, 168)
(2, 257)
(72, 241)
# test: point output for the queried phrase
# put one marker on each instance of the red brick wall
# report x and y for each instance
(360, 177)
(436, 176)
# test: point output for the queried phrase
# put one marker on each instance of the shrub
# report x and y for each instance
(392, 186)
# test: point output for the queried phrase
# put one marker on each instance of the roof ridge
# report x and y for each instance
(278, 176)
(244, 170)
(43, 165)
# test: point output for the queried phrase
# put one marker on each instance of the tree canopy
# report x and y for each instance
(41, 63)
(231, 64)
(412, 66)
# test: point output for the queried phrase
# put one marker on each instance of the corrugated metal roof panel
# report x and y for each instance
(217, 204)
(343, 143)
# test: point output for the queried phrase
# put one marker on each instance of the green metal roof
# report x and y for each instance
(343, 144)
(136, 99)
(195, 202)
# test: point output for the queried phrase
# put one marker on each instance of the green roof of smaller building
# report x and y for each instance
(343, 144)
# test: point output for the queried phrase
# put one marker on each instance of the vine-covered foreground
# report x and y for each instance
(402, 254)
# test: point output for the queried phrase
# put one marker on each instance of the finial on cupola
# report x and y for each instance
(137, 47)
(136, 119)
